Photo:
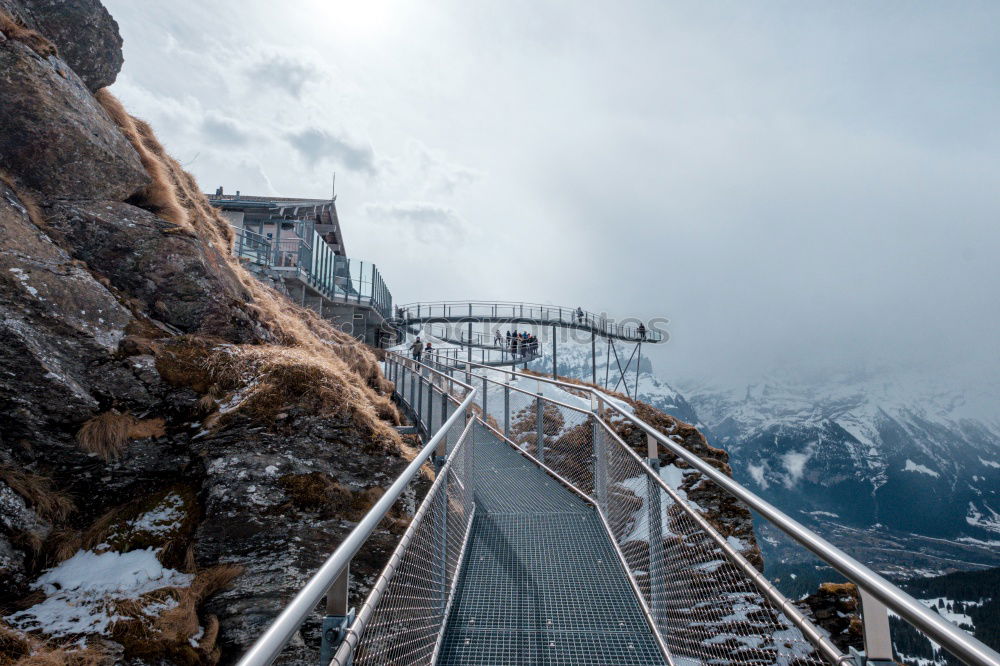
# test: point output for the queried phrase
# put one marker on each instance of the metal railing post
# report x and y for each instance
(338, 617)
(413, 394)
(657, 584)
(506, 408)
(875, 618)
(539, 426)
(419, 408)
(485, 387)
(600, 457)
(442, 450)
(430, 406)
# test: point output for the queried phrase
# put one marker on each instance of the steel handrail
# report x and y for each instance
(948, 635)
(509, 359)
(355, 632)
(782, 603)
(270, 644)
(587, 315)
(518, 389)
(964, 646)
(590, 320)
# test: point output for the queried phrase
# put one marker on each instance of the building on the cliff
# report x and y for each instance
(297, 246)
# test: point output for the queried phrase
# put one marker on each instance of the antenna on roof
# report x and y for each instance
(333, 191)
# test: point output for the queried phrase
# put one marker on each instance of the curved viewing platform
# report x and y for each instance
(536, 314)
(456, 359)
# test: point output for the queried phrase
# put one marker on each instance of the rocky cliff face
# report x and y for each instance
(180, 446)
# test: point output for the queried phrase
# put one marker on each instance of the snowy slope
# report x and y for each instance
(904, 457)
(574, 360)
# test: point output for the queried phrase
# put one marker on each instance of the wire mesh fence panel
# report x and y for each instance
(522, 425)
(402, 623)
(569, 445)
(706, 608)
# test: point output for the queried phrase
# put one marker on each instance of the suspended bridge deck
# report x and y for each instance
(535, 314)
(541, 582)
(413, 317)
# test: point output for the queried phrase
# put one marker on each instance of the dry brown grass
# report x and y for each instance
(839, 589)
(206, 403)
(44, 656)
(159, 196)
(26, 199)
(143, 428)
(105, 434)
(117, 528)
(51, 504)
(108, 433)
(166, 637)
(19, 649)
(317, 491)
(13, 29)
(61, 544)
(14, 645)
(305, 346)
(135, 345)
(261, 381)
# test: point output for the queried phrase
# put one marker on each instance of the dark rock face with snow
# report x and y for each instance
(145, 409)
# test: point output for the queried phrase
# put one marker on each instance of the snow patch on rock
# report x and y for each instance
(922, 469)
(84, 591)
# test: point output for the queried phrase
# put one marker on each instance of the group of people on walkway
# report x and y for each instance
(418, 349)
(518, 344)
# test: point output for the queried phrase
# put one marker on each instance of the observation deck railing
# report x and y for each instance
(313, 261)
(251, 246)
(528, 313)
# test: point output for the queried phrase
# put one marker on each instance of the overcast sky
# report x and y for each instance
(792, 184)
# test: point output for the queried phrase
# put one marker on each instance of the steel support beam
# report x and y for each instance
(593, 357)
(506, 408)
(554, 374)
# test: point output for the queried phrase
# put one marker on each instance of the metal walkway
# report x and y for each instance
(412, 317)
(547, 538)
(541, 583)
(490, 355)
(535, 314)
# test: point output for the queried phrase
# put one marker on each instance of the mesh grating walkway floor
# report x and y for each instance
(541, 582)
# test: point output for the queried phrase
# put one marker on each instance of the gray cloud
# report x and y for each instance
(442, 176)
(317, 145)
(284, 73)
(224, 130)
(420, 217)
(814, 201)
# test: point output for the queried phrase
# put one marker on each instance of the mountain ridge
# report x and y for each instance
(847, 453)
